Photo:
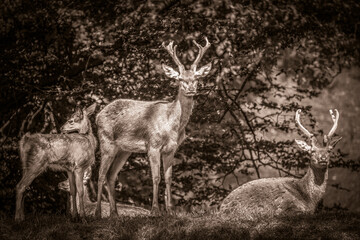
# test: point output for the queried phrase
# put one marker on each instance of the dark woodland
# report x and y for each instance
(269, 58)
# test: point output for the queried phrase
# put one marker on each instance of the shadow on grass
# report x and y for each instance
(186, 232)
(333, 225)
(338, 225)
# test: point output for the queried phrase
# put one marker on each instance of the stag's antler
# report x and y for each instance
(335, 119)
(172, 51)
(303, 129)
(202, 50)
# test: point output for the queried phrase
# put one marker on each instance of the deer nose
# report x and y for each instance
(192, 87)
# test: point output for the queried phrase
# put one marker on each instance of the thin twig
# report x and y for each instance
(35, 114)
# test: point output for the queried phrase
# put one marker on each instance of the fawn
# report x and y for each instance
(71, 152)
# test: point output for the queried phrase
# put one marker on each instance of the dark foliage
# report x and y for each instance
(267, 56)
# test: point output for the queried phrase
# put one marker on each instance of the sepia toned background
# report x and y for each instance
(269, 59)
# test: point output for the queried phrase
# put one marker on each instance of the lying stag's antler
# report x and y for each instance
(335, 119)
(303, 129)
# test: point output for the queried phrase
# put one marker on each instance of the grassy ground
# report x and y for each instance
(328, 225)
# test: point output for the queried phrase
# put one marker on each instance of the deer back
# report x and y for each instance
(57, 151)
(137, 124)
(61, 151)
(267, 197)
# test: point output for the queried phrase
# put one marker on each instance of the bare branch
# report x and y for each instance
(12, 116)
(249, 76)
(248, 124)
(46, 120)
(35, 114)
(22, 128)
(52, 119)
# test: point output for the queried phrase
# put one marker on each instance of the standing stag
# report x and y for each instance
(270, 197)
(73, 153)
(153, 127)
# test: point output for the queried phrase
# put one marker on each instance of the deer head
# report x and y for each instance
(188, 79)
(79, 121)
(320, 155)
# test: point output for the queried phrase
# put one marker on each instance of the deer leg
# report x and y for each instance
(92, 190)
(68, 204)
(115, 168)
(167, 163)
(107, 157)
(26, 180)
(154, 157)
(79, 176)
(73, 194)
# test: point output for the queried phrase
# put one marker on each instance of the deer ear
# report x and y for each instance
(303, 145)
(170, 72)
(333, 142)
(90, 110)
(204, 70)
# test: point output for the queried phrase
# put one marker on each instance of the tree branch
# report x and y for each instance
(34, 115)
(249, 76)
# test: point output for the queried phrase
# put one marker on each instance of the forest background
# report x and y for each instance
(269, 59)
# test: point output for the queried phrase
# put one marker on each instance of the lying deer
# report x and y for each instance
(73, 153)
(90, 206)
(153, 127)
(270, 197)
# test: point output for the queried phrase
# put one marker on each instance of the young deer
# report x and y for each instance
(72, 153)
(90, 206)
(156, 128)
(270, 197)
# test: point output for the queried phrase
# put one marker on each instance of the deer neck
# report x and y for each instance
(186, 103)
(315, 181)
(91, 136)
(320, 174)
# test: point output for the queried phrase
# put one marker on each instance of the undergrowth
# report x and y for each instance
(326, 225)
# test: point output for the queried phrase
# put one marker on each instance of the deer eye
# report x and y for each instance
(77, 118)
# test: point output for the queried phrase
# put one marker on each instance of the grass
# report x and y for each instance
(327, 225)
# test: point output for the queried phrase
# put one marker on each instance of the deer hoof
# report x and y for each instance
(114, 214)
(19, 219)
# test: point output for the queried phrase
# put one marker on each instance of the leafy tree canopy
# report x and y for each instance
(267, 57)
